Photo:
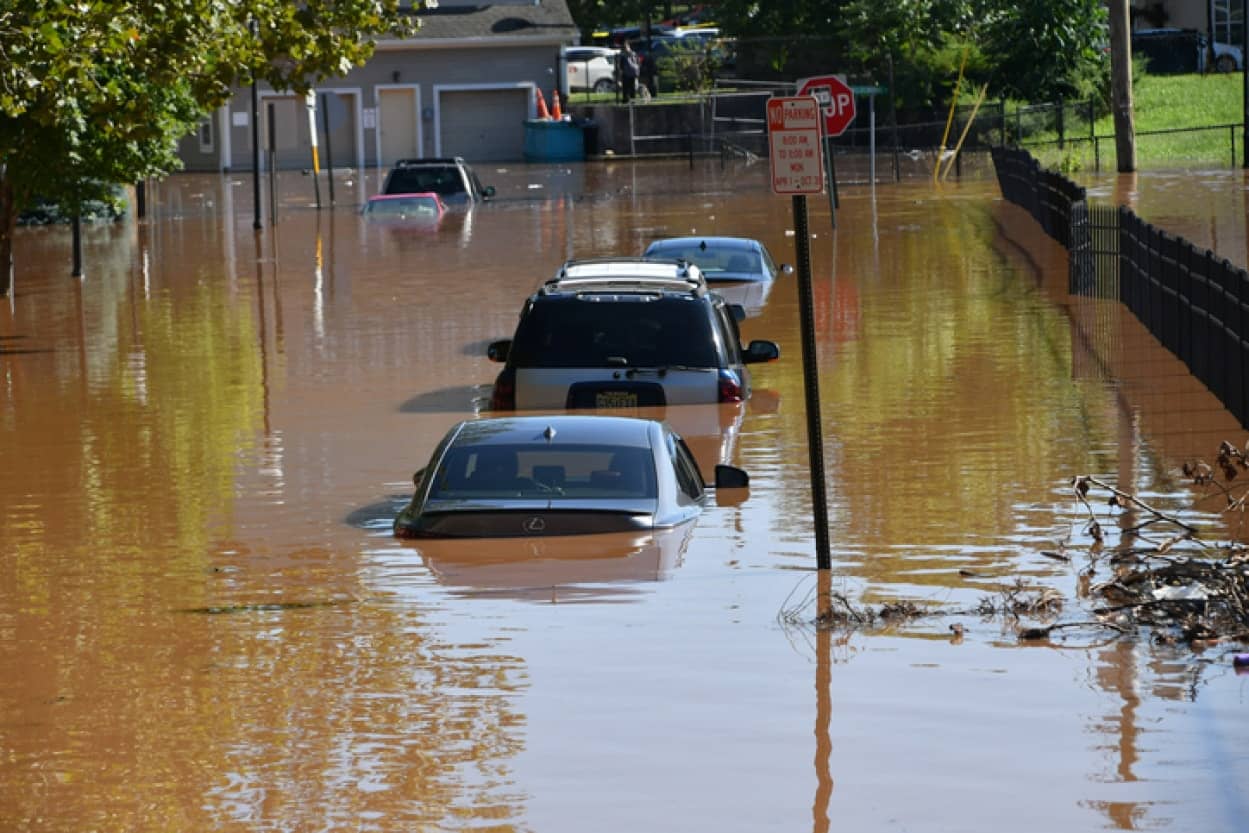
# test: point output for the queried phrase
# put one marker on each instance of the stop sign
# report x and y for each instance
(836, 101)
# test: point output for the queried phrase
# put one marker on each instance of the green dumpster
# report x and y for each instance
(553, 141)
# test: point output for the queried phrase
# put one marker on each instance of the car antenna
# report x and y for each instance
(549, 433)
(703, 245)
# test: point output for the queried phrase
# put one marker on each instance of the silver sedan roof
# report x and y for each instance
(608, 430)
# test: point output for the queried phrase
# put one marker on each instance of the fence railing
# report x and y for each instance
(1195, 303)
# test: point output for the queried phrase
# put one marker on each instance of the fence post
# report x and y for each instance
(1240, 366)
(1061, 137)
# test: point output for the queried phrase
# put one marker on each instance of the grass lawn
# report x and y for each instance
(1164, 103)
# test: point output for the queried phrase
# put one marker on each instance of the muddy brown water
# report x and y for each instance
(206, 625)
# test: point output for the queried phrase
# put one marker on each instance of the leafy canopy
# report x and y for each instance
(94, 92)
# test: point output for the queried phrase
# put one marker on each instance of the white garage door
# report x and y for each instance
(483, 125)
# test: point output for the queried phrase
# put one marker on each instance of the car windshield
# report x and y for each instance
(444, 181)
(712, 260)
(615, 331)
(552, 470)
(404, 207)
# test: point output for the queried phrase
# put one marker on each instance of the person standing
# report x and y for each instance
(628, 71)
(648, 73)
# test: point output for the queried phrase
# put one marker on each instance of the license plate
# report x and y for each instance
(615, 399)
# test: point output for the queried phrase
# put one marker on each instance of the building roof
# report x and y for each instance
(546, 21)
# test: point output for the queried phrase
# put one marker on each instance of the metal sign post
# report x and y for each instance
(797, 169)
(310, 102)
(837, 110)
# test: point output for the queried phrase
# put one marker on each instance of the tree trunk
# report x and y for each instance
(8, 222)
(1121, 86)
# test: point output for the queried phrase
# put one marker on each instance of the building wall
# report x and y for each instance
(426, 72)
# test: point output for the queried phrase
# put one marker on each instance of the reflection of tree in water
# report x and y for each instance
(376, 718)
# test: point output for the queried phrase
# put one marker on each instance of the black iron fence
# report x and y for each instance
(1194, 302)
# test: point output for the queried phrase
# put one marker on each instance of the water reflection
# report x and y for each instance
(188, 428)
(558, 570)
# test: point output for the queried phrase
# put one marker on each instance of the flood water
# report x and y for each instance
(205, 623)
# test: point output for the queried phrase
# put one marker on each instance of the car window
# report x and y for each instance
(404, 207)
(731, 338)
(444, 181)
(769, 265)
(712, 260)
(615, 330)
(689, 480)
(553, 471)
(478, 188)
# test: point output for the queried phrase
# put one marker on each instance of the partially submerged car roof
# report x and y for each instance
(563, 429)
(636, 273)
(743, 243)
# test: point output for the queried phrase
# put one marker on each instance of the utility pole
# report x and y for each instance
(1121, 86)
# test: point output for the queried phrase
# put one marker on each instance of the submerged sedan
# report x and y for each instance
(557, 475)
(721, 258)
(419, 206)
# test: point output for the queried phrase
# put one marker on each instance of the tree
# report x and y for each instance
(97, 93)
(1045, 49)
(1033, 49)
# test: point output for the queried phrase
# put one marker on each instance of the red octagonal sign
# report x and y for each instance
(836, 101)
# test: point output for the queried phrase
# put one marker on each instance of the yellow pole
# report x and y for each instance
(975, 109)
(958, 85)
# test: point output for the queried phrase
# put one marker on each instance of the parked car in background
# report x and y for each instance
(425, 206)
(625, 333)
(1227, 58)
(721, 258)
(590, 68)
(451, 178)
(557, 475)
(1170, 51)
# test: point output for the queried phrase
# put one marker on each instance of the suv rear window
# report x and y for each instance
(614, 331)
(444, 181)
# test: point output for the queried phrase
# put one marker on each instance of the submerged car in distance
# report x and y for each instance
(721, 258)
(421, 206)
(451, 178)
(557, 475)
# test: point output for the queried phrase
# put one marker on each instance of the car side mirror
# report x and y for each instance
(417, 478)
(731, 477)
(738, 312)
(488, 191)
(498, 350)
(761, 351)
(786, 269)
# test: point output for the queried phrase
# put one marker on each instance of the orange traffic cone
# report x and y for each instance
(556, 112)
(542, 113)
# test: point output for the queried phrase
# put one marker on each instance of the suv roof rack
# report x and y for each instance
(627, 273)
(430, 160)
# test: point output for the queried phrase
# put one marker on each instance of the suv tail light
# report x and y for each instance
(730, 386)
(504, 396)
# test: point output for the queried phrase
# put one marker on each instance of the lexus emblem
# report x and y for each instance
(534, 524)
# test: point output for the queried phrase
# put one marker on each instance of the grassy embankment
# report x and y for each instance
(1165, 102)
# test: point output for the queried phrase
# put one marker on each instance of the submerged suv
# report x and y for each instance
(450, 178)
(625, 332)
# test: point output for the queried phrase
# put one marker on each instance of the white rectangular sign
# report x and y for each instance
(794, 145)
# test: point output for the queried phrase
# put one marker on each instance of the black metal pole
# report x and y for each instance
(893, 121)
(815, 435)
(77, 226)
(256, 223)
(273, 153)
(329, 149)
